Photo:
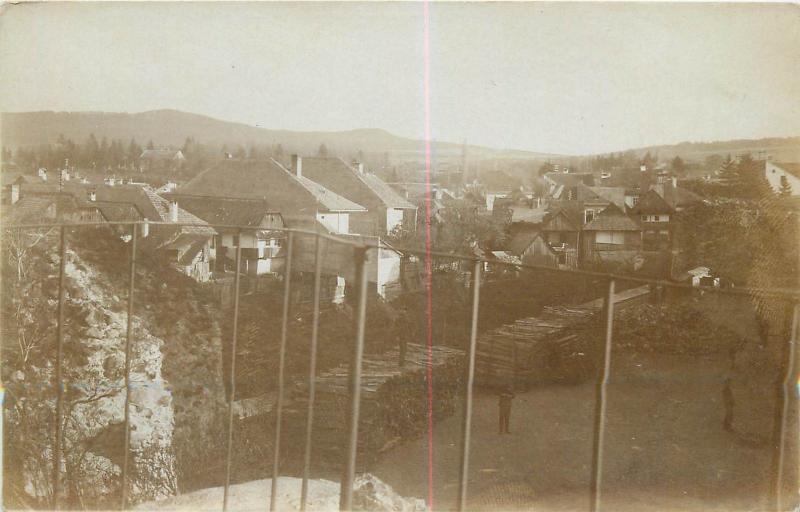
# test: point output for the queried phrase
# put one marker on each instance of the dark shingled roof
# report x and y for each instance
(29, 209)
(269, 181)
(612, 219)
(678, 197)
(225, 210)
(651, 203)
(614, 195)
(365, 189)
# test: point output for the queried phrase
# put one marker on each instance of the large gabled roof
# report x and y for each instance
(612, 218)
(270, 181)
(29, 209)
(387, 194)
(678, 197)
(651, 203)
(614, 195)
(363, 188)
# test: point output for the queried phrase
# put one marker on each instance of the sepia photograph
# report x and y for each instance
(400, 256)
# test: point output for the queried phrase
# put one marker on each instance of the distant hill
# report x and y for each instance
(172, 127)
(782, 149)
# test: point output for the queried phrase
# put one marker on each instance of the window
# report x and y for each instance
(644, 218)
(610, 237)
(635, 200)
(656, 218)
(588, 215)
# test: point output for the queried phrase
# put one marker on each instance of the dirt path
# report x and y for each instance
(665, 447)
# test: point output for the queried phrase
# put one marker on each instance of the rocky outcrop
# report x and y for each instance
(176, 387)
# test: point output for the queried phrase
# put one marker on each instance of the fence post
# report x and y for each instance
(601, 400)
(128, 342)
(466, 425)
(58, 377)
(312, 374)
(225, 494)
(346, 493)
(281, 363)
(790, 380)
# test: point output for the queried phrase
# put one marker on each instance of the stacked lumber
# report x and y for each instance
(393, 402)
(536, 348)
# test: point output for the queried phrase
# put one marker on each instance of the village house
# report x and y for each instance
(302, 203)
(38, 200)
(531, 248)
(783, 174)
(612, 236)
(656, 218)
(189, 249)
(656, 211)
(385, 208)
(261, 248)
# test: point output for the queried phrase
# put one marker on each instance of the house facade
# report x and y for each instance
(612, 236)
(385, 209)
(262, 252)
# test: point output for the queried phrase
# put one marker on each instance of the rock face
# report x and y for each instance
(323, 495)
(165, 412)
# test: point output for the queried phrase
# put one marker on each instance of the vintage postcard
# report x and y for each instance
(400, 256)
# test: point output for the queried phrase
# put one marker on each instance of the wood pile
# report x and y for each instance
(393, 403)
(558, 345)
(546, 347)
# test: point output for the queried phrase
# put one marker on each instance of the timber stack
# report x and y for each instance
(549, 347)
(391, 407)
(558, 345)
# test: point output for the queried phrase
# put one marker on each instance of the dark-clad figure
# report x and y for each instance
(506, 396)
(727, 402)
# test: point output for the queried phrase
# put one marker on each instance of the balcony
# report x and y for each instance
(615, 397)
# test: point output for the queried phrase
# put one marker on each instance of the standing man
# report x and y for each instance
(506, 396)
(727, 402)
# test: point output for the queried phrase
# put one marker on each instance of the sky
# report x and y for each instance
(570, 78)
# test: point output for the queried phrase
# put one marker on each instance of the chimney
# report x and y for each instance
(93, 195)
(14, 193)
(173, 211)
(674, 182)
(297, 165)
(145, 228)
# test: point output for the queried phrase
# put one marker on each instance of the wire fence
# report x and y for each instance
(365, 251)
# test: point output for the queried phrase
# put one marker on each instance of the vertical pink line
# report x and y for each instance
(428, 262)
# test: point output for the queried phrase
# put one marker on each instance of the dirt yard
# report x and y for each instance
(665, 447)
